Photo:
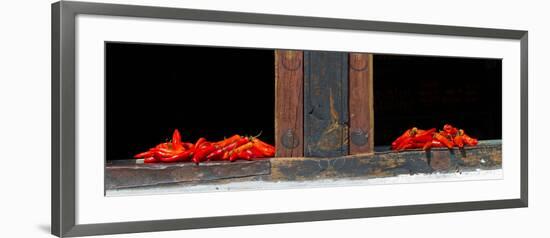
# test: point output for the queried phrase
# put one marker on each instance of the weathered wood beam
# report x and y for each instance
(289, 98)
(487, 155)
(134, 173)
(361, 108)
(325, 104)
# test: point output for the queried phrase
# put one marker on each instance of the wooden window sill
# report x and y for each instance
(134, 173)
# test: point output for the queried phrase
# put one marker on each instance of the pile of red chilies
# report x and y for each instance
(231, 149)
(449, 137)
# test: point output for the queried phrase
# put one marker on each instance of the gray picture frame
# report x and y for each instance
(63, 117)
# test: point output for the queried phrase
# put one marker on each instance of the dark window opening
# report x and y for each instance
(429, 92)
(203, 91)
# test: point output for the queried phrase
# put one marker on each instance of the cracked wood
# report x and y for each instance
(325, 104)
(134, 173)
(486, 156)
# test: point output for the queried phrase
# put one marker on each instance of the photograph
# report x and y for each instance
(187, 118)
(169, 118)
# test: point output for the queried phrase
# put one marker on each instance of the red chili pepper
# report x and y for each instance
(188, 146)
(183, 156)
(266, 151)
(215, 155)
(244, 154)
(424, 136)
(239, 143)
(229, 151)
(150, 160)
(225, 155)
(404, 144)
(450, 130)
(432, 144)
(165, 145)
(258, 141)
(233, 156)
(467, 139)
(437, 144)
(229, 140)
(458, 141)
(163, 150)
(171, 159)
(443, 140)
(407, 134)
(470, 141)
(258, 153)
(428, 145)
(224, 146)
(145, 154)
(176, 137)
(202, 152)
(243, 147)
(199, 142)
(235, 153)
(159, 154)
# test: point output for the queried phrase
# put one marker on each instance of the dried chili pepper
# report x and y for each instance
(229, 140)
(199, 142)
(266, 149)
(223, 146)
(229, 148)
(404, 144)
(458, 141)
(424, 136)
(188, 146)
(236, 153)
(176, 137)
(233, 156)
(201, 153)
(244, 154)
(150, 160)
(407, 134)
(243, 147)
(183, 156)
(258, 153)
(145, 154)
(232, 148)
(450, 130)
(467, 139)
(443, 140)
(428, 145)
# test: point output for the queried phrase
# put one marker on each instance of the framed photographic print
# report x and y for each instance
(167, 118)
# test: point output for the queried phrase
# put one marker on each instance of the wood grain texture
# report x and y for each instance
(361, 110)
(289, 98)
(134, 173)
(486, 156)
(325, 104)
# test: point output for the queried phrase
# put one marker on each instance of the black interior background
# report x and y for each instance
(428, 92)
(203, 91)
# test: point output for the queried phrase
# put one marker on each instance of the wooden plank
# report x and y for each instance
(134, 173)
(289, 97)
(361, 111)
(325, 104)
(486, 156)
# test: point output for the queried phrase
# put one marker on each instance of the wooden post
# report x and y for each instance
(325, 104)
(289, 98)
(361, 111)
